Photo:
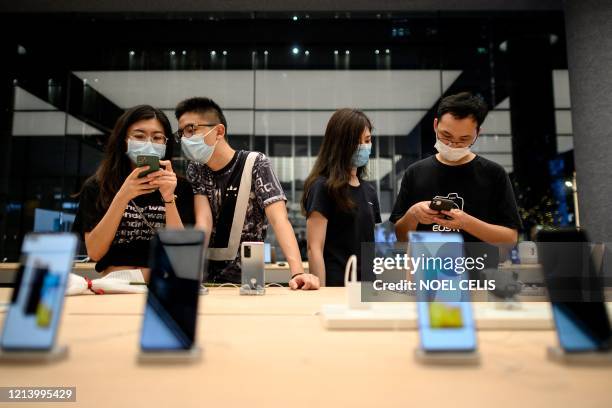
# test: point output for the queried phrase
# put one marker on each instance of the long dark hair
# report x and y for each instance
(334, 161)
(116, 166)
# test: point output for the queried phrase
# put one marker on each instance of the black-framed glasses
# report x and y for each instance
(450, 142)
(190, 129)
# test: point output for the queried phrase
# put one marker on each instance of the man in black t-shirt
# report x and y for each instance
(484, 205)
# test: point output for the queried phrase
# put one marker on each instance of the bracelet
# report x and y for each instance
(171, 201)
(297, 274)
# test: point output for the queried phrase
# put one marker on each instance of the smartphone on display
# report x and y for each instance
(445, 317)
(575, 290)
(33, 316)
(176, 263)
(147, 160)
(253, 271)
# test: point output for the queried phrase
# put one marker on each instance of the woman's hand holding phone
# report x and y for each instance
(165, 180)
(133, 186)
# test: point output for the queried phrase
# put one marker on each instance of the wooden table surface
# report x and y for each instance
(272, 351)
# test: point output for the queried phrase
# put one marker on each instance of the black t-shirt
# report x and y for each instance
(130, 247)
(345, 230)
(480, 187)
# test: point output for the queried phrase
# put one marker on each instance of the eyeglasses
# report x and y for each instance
(450, 142)
(190, 129)
(156, 138)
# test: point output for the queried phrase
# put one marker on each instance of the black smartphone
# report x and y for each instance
(147, 160)
(176, 263)
(575, 291)
(441, 204)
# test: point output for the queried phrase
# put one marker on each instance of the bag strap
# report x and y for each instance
(242, 204)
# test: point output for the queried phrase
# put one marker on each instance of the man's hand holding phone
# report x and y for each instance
(422, 213)
(454, 219)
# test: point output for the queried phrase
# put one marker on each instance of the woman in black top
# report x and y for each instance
(340, 207)
(120, 211)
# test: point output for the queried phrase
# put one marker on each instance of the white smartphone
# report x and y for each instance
(253, 280)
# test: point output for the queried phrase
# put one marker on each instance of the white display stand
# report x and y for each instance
(193, 355)
(467, 358)
(558, 355)
(379, 316)
(56, 354)
(246, 290)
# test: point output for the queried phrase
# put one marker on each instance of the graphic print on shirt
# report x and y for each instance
(133, 227)
(459, 202)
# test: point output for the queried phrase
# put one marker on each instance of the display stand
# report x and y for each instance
(466, 358)
(54, 355)
(247, 290)
(558, 355)
(190, 356)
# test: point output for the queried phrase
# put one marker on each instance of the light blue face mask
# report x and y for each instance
(195, 148)
(362, 155)
(136, 148)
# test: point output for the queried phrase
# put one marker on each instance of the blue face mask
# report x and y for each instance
(136, 148)
(194, 148)
(362, 155)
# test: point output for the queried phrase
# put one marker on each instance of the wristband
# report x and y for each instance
(297, 274)
(171, 201)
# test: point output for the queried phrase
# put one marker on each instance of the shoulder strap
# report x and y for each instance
(242, 203)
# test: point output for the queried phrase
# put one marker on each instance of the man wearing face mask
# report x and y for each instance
(236, 193)
(484, 206)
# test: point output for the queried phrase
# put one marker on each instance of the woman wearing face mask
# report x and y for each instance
(340, 207)
(119, 210)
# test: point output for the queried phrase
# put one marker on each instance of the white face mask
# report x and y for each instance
(451, 154)
(195, 148)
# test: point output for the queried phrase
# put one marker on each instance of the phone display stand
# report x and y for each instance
(359, 315)
(252, 288)
(508, 304)
(54, 355)
(558, 355)
(247, 290)
(190, 356)
(465, 358)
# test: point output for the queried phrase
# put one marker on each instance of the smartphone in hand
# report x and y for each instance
(442, 204)
(147, 160)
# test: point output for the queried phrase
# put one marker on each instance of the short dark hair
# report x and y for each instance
(463, 105)
(200, 105)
